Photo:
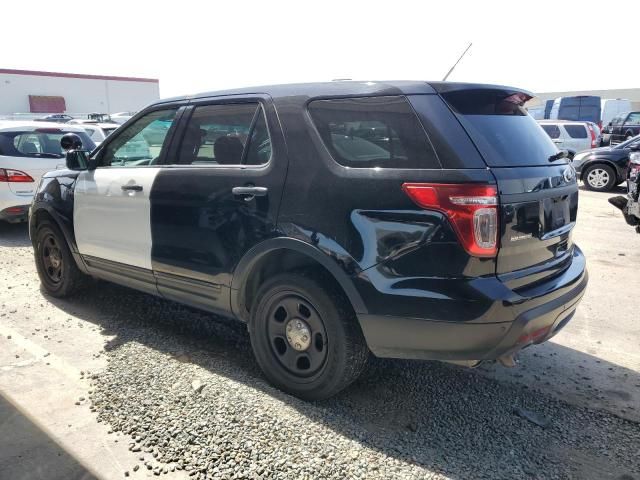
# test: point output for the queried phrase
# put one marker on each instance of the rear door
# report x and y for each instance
(538, 193)
(216, 196)
(111, 209)
(577, 136)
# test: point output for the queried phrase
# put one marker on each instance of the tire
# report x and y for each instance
(305, 336)
(600, 178)
(58, 272)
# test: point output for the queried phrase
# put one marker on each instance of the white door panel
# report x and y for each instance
(112, 223)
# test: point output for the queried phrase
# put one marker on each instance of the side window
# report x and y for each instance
(139, 144)
(576, 131)
(226, 134)
(552, 130)
(634, 118)
(373, 132)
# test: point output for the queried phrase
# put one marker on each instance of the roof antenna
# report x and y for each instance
(456, 64)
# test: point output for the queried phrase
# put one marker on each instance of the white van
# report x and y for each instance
(610, 107)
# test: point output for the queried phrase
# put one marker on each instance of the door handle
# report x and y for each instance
(131, 188)
(249, 192)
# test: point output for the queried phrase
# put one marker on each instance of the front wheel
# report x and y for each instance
(58, 272)
(305, 336)
(600, 178)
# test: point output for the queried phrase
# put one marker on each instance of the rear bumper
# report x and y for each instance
(15, 214)
(538, 314)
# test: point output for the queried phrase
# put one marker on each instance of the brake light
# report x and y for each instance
(472, 210)
(593, 136)
(14, 176)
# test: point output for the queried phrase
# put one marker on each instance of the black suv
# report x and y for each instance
(408, 219)
(623, 127)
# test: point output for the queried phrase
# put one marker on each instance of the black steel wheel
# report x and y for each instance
(296, 333)
(58, 272)
(51, 258)
(305, 336)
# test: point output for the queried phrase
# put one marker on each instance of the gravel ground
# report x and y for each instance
(182, 390)
(188, 393)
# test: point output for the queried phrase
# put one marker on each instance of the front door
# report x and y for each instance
(111, 210)
(216, 196)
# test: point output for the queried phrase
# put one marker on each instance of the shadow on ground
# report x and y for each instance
(441, 418)
(14, 235)
(28, 453)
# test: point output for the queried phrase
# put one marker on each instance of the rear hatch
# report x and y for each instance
(538, 193)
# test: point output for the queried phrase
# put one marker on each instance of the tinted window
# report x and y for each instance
(140, 143)
(42, 143)
(373, 132)
(576, 131)
(634, 118)
(231, 134)
(552, 130)
(618, 120)
(500, 127)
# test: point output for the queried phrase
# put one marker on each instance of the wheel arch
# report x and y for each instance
(45, 212)
(279, 255)
(599, 161)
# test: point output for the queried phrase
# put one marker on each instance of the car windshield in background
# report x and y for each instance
(500, 127)
(43, 143)
(108, 131)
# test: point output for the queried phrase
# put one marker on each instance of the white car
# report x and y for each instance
(121, 117)
(99, 131)
(572, 136)
(27, 151)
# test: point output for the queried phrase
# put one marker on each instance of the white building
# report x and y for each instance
(26, 91)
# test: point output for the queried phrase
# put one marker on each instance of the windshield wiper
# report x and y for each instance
(557, 156)
(49, 155)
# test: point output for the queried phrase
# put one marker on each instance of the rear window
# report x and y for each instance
(576, 131)
(500, 127)
(42, 143)
(373, 132)
(552, 130)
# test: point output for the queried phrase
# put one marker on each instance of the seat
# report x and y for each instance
(29, 147)
(191, 143)
(228, 150)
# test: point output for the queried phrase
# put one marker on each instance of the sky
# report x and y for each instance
(193, 46)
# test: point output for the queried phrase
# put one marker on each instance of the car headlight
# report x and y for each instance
(579, 157)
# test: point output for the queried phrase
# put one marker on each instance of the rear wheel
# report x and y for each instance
(305, 336)
(600, 178)
(58, 272)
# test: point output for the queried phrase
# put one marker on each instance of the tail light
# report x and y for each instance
(634, 165)
(14, 176)
(472, 210)
(592, 132)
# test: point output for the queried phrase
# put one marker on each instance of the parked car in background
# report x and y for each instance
(27, 151)
(121, 117)
(623, 127)
(629, 204)
(571, 136)
(604, 168)
(57, 118)
(265, 205)
(99, 131)
(585, 108)
(611, 108)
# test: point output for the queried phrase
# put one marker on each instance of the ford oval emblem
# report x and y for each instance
(569, 174)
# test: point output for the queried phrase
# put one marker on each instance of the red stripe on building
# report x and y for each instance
(36, 73)
(46, 104)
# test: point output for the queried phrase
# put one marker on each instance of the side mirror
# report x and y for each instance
(70, 141)
(76, 158)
